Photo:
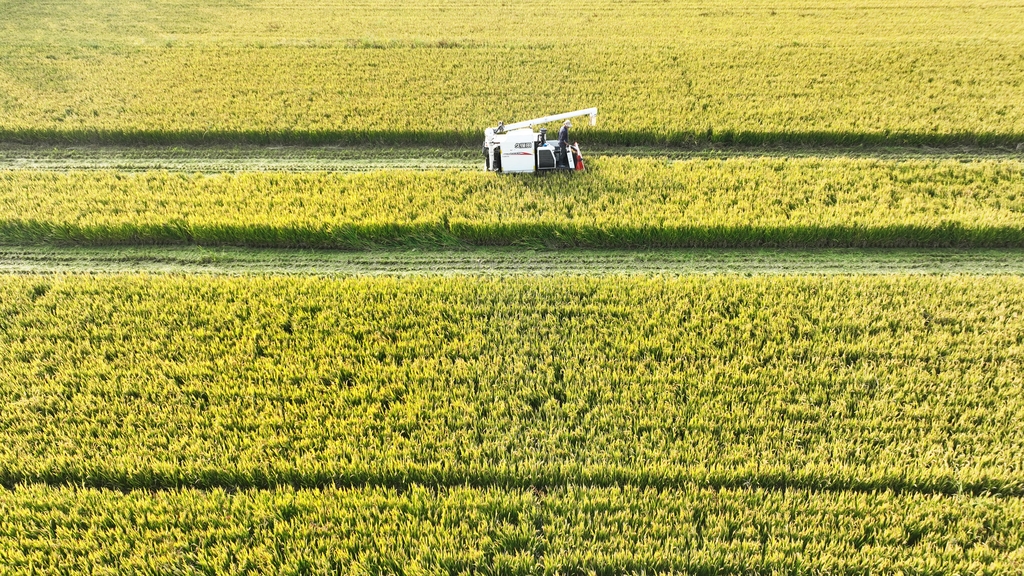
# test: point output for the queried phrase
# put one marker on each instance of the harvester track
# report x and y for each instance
(498, 261)
(214, 159)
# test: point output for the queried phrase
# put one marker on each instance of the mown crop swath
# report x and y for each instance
(563, 530)
(834, 383)
(621, 202)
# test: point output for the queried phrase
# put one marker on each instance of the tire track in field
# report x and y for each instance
(250, 158)
(508, 261)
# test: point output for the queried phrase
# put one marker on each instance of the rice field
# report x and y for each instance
(620, 398)
(694, 422)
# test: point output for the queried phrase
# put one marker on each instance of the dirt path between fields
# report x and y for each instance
(491, 261)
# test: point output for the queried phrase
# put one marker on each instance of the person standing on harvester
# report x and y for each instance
(563, 141)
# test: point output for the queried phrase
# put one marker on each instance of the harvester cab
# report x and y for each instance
(517, 149)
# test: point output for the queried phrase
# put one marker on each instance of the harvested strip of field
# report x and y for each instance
(216, 159)
(564, 530)
(498, 261)
(618, 203)
(910, 384)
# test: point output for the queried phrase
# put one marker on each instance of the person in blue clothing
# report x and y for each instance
(563, 141)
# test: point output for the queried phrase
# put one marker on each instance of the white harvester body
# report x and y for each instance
(517, 149)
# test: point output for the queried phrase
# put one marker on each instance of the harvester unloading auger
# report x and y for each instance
(516, 148)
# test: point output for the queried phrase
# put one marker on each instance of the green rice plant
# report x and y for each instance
(619, 203)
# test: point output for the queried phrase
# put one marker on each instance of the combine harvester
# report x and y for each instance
(517, 149)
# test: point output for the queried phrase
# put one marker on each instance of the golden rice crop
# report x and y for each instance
(667, 72)
(117, 23)
(620, 202)
(865, 383)
(563, 530)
